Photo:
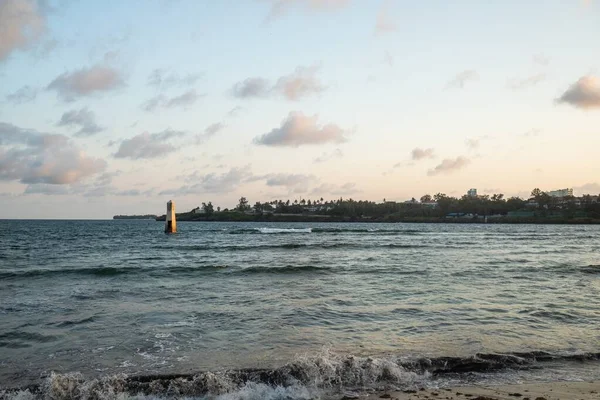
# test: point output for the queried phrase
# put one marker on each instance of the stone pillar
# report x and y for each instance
(170, 223)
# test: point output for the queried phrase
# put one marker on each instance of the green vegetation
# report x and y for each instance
(540, 208)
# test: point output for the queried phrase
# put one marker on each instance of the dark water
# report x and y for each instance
(297, 310)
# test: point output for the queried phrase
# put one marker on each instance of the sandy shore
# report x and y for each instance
(533, 391)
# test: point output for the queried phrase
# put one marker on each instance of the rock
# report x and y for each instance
(385, 396)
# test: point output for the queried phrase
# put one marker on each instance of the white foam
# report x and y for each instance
(284, 230)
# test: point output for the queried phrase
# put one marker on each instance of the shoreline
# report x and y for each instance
(331, 219)
(555, 390)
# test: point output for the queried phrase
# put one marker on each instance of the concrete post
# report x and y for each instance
(170, 222)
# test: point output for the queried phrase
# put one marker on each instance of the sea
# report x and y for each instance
(119, 309)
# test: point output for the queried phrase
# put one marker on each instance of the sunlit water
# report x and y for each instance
(109, 297)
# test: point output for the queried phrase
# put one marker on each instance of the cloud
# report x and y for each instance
(296, 183)
(251, 87)
(148, 145)
(46, 189)
(86, 82)
(449, 165)
(210, 131)
(302, 82)
(33, 157)
(299, 129)
(588, 188)
(518, 83)
(213, 129)
(213, 183)
(234, 111)
(184, 100)
(541, 59)
(421, 154)
(473, 143)
(462, 78)
(337, 153)
(584, 94)
(22, 95)
(384, 24)
(84, 119)
(531, 133)
(22, 23)
(329, 188)
(388, 59)
(163, 79)
(280, 7)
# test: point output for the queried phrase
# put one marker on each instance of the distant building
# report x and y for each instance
(561, 193)
(472, 193)
(199, 210)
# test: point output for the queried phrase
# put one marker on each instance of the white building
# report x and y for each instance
(472, 193)
(561, 193)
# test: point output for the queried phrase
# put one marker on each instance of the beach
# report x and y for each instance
(531, 391)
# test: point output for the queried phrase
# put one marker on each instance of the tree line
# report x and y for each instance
(438, 205)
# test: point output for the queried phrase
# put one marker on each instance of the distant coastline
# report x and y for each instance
(148, 216)
(541, 208)
(239, 217)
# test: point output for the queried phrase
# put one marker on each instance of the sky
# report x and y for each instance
(116, 107)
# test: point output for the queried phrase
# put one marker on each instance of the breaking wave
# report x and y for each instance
(304, 378)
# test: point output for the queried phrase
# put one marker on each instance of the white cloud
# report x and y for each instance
(280, 7)
(448, 166)
(148, 145)
(251, 87)
(584, 94)
(213, 183)
(473, 143)
(462, 78)
(86, 81)
(541, 59)
(592, 188)
(337, 153)
(302, 82)
(299, 129)
(210, 131)
(523, 83)
(164, 79)
(23, 95)
(184, 100)
(421, 154)
(22, 23)
(295, 183)
(32, 157)
(337, 190)
(384, 23)
(388, 59)
(84, 119)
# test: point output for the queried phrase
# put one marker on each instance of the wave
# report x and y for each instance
(288, 269)
(271, 230)
(94, 271)
(258, 247)
(304, 378)
(264, 230)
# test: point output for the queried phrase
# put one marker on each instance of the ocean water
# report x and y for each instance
(97, 309)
